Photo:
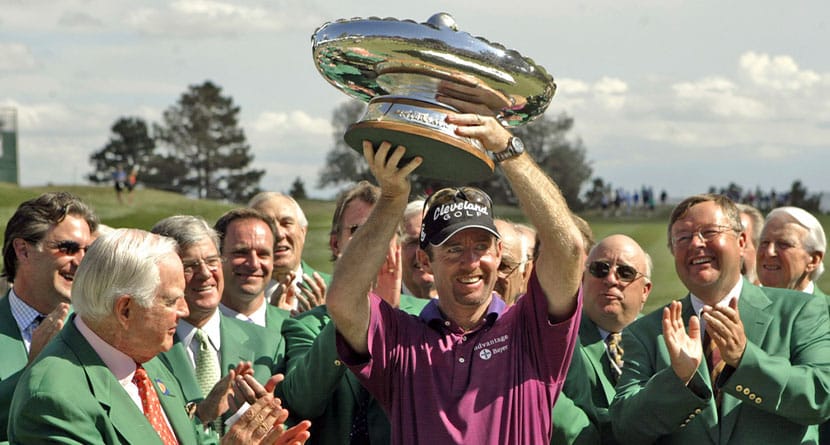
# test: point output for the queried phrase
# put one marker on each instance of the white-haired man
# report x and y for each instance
(791, 250)
(290, 270)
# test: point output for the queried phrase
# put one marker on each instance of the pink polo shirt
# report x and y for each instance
(495, 385)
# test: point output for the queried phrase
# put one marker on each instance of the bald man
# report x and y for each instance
(615, 287)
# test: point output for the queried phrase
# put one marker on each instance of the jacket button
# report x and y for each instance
(746, 391)
(757, 400)
(739, 388)
(337, 362)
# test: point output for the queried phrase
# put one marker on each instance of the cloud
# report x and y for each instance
(204, 18)
(297, 121)
(778, 73)
(15, 57)
(608, 93)
(79, 20)
(719, 97)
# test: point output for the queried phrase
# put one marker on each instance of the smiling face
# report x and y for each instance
(46, 270)
(709, 268)
(290, 233)
(150, 330)
(782, 259)
(204, 280)
(465, 268)
(613, 303)
(248, 252)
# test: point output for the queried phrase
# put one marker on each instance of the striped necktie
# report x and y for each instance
(714, 363)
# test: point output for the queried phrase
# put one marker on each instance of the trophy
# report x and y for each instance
(397, 66)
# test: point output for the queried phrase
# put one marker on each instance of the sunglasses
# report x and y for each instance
(67, 247)
(623, 272)
(449, 194)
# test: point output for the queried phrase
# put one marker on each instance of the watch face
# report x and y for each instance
(518, 144)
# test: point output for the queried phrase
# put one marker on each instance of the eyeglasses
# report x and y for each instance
(507, 268)
(622, 272)
(67, 247)
(446, 195)
(191, 267)
(707, 233)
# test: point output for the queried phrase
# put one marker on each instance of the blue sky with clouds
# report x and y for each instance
(676, 94)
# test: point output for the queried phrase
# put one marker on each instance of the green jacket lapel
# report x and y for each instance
(178, 363)
(14, 352)
(172, 401)
(229, 334)
(751, 305)
(126, 418)
(594, 347)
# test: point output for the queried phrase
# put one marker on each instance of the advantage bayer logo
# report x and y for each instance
(485, 354)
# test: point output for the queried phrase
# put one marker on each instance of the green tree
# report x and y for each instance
(130, 146)
(298, 189)
(207, 150)
(344, 164)
(799, 197)
(562, 159)
(546, 139)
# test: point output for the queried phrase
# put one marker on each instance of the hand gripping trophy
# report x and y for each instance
(397, 67)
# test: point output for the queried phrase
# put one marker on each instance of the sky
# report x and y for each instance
(678, 95)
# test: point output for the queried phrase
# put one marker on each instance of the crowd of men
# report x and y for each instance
(440, 323)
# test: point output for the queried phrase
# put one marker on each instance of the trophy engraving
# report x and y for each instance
(397, 66)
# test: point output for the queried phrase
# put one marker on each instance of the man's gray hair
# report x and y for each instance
(757, 221)
(262, 197)
(186, 230)
(124, 262)
(815, 241)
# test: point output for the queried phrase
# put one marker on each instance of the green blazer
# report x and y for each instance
(69, 396)
(15, 358)
(240, 341)
(777, 394)
(580, 415)
(320, 388)
(308, 270)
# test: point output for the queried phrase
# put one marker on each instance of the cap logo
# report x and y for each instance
(459, 210)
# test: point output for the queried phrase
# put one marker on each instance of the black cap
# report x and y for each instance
(448, 217)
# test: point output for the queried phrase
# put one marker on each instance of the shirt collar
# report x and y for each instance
(257, 317)
(121, 365)
(23, 314)
(698, 304)
(187, 332)
(432, 316)
(810, 288)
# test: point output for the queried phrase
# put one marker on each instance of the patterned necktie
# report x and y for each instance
(207, 365)
(152, 407)
(714, 363)
(615, 354)
(359, 434)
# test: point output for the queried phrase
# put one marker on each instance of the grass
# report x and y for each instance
(149, 206)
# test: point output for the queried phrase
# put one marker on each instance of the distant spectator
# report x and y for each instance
(753, 222)
(119, 180)
(791, 251)
(416, 281)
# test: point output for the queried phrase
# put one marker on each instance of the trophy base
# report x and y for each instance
(446, 156)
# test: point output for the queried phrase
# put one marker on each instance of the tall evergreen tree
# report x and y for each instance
(208, 155)
(130, 146)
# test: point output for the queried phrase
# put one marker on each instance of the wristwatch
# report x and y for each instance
(515, 147)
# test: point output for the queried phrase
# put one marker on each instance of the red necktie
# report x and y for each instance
(152, 407)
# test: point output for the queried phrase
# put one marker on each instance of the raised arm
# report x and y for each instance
(558, 268)
(357, 268)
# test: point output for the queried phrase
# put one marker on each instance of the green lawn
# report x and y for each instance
(150, 206)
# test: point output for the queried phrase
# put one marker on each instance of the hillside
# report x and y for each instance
(150, 206)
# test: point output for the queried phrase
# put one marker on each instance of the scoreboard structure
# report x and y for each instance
(9, 166)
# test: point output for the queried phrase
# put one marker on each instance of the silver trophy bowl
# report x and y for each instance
(397, 65)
